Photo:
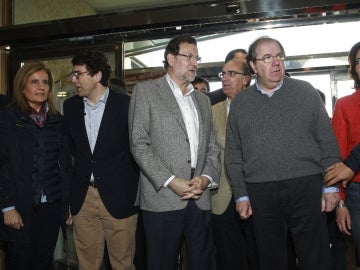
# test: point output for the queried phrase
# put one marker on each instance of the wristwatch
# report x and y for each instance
(340, 205)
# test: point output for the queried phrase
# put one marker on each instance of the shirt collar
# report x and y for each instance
(40, 116)
(43, 109)
(265, 92)
(176, 89)
(228, 101)
(103, 98)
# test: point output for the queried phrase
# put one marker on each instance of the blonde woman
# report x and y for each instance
(33, 157)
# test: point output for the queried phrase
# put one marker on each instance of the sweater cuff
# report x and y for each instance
(352, 162)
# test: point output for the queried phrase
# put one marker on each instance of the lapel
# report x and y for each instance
(166, 94)
(220, 121)
(107, 119)
(201, 111)
(223, 116)
(81, 121)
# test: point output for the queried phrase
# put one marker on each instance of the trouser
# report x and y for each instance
(164, 233)
(92, 225)
(293, 204)
(37, 253)
(234, 240)
(352, 199)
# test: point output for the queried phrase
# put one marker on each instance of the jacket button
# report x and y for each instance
(189, 161)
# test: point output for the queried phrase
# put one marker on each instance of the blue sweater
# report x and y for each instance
(286, 136)
(353, 160)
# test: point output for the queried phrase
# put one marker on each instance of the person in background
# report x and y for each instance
(218, 95)
(118, 85)
(172, 139)
(344, 172)
(201, 84)
(347, 130)
(279, 141)
(105, 176)
(231, 234)
(34, 162)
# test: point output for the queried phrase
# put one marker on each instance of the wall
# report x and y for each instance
(29, 11)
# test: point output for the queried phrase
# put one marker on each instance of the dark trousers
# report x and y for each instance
(291, 254)
(293, 204)
(36, 254)
(140, 249)
(164, 233)
(338, 246)
(234, 241)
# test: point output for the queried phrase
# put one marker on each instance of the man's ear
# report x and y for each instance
(171, 59)
(98, 76)
(246, 80)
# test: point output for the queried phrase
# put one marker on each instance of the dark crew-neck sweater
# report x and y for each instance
(285, 136)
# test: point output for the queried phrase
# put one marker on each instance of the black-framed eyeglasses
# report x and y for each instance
(192, 58)
(77, 74)
(230, 73)
(268, 58)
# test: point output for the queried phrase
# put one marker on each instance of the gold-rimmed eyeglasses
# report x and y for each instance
(190, 57)
(77, 74)
(268, 58)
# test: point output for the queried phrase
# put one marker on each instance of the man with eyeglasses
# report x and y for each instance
(234, 238)
(218, 95)
(279, 142)
(105, 176)
(172, 139)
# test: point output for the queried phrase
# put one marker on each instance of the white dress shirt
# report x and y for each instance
(93, 117)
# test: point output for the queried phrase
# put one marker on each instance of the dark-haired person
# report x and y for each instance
(118, 85)
(218, 95)
(34, 159)
(105, 177)
(347, 129)
(201, 84)
(172, 139)
(279, 141)
(345, 172)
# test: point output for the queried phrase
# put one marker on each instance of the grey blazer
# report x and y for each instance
(160, 145)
